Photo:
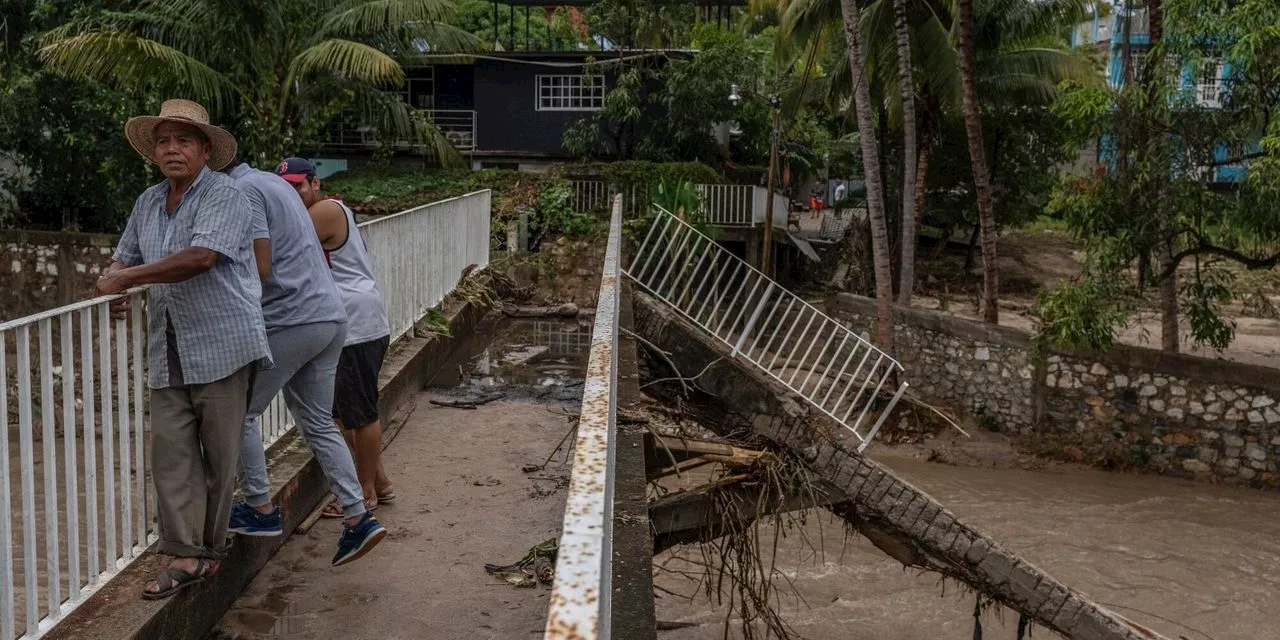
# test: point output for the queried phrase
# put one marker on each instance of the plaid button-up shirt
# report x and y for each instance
(216, 316)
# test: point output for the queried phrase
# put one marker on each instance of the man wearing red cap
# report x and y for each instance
(355, 404)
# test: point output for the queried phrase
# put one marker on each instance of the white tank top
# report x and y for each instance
(353, 273)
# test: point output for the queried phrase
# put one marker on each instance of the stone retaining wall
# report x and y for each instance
(1130, 407)
(41, 270)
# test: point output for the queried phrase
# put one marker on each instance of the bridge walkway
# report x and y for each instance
(462, 502)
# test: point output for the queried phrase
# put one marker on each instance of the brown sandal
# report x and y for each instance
(174, 580)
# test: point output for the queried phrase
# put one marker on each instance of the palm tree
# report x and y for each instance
(278, 72)
(871, 172)
(1019, 58)
(909, 146)
(978, 158)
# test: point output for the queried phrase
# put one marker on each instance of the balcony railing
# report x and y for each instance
(457, 125)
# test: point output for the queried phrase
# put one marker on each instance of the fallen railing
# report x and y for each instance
(580, 598)
(819, 358)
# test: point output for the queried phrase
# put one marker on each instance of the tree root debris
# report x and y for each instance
(537, 566)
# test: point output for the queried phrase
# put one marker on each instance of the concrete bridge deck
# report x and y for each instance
(462, 501)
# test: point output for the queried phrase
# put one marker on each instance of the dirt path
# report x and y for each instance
(463, 501)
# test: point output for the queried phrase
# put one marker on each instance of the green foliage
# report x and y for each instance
(643, 24)
(1203, 300)
(680, 198)
(477, 18)
(308, 61)
(1083, 314)
(692, 94)
(1154, 191)
(611, 130)
(76, 170)
(556, 215)
(645, 174)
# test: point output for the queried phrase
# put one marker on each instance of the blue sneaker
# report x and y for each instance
(247, 521)
(358, 539)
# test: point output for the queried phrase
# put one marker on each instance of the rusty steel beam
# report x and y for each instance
(580, 596)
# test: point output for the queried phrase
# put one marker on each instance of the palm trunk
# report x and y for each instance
(871, 171)
(1168, 299)
(978, 158)
(906, 274)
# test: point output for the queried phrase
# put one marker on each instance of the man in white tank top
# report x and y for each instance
(355, 399)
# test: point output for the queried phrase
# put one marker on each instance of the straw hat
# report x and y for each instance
(141, 131)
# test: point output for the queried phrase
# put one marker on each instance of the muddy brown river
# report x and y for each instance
(1192, 560)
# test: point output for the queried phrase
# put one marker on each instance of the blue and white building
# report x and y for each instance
(1205, 81)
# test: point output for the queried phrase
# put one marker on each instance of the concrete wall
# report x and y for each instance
(1130, 407)
(40, 270)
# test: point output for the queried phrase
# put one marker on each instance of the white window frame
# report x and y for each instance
(576, 92)
(1209, 83)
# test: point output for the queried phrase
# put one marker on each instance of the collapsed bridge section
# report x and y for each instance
(752, 385)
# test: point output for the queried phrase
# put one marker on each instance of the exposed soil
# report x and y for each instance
(1035, 260)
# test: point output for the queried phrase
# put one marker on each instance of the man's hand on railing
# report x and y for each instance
(120, 308)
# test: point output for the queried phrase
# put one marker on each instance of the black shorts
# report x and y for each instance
(355, 390)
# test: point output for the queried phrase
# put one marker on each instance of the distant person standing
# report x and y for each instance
(306, 326)
(189, 237)
(839, 194)
(355, 402)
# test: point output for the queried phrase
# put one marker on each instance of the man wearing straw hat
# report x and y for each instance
(190, 238)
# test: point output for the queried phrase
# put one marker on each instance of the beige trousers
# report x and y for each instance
(195, 444)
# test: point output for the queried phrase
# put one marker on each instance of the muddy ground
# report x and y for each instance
(1039, 257)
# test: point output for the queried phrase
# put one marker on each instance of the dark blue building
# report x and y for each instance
(509, 107)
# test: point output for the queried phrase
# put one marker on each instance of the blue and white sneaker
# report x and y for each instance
(358, 539)
(247, 521)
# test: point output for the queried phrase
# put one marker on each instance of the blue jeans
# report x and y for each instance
(306, 360)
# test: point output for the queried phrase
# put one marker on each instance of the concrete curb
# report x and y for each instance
(117, 611)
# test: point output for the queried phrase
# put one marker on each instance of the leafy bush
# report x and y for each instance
(555, 212)
(680, 198)
(646, 174)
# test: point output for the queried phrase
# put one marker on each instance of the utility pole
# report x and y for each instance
(766, 252)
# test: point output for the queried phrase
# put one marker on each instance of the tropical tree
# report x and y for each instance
(978, 156)
(1157, 191)
(906, 75)
(1020, 58)
(276, 72)
(871, 172)
(64, 163)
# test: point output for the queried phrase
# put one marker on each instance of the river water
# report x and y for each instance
(1193, 560)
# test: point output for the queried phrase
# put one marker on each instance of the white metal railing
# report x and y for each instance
(727, 205)
(419, 254)
(589, 196)
(80, 512)
(820, 359)
(721, 205)
(581, 601)
(457, 125)
(73, 518)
